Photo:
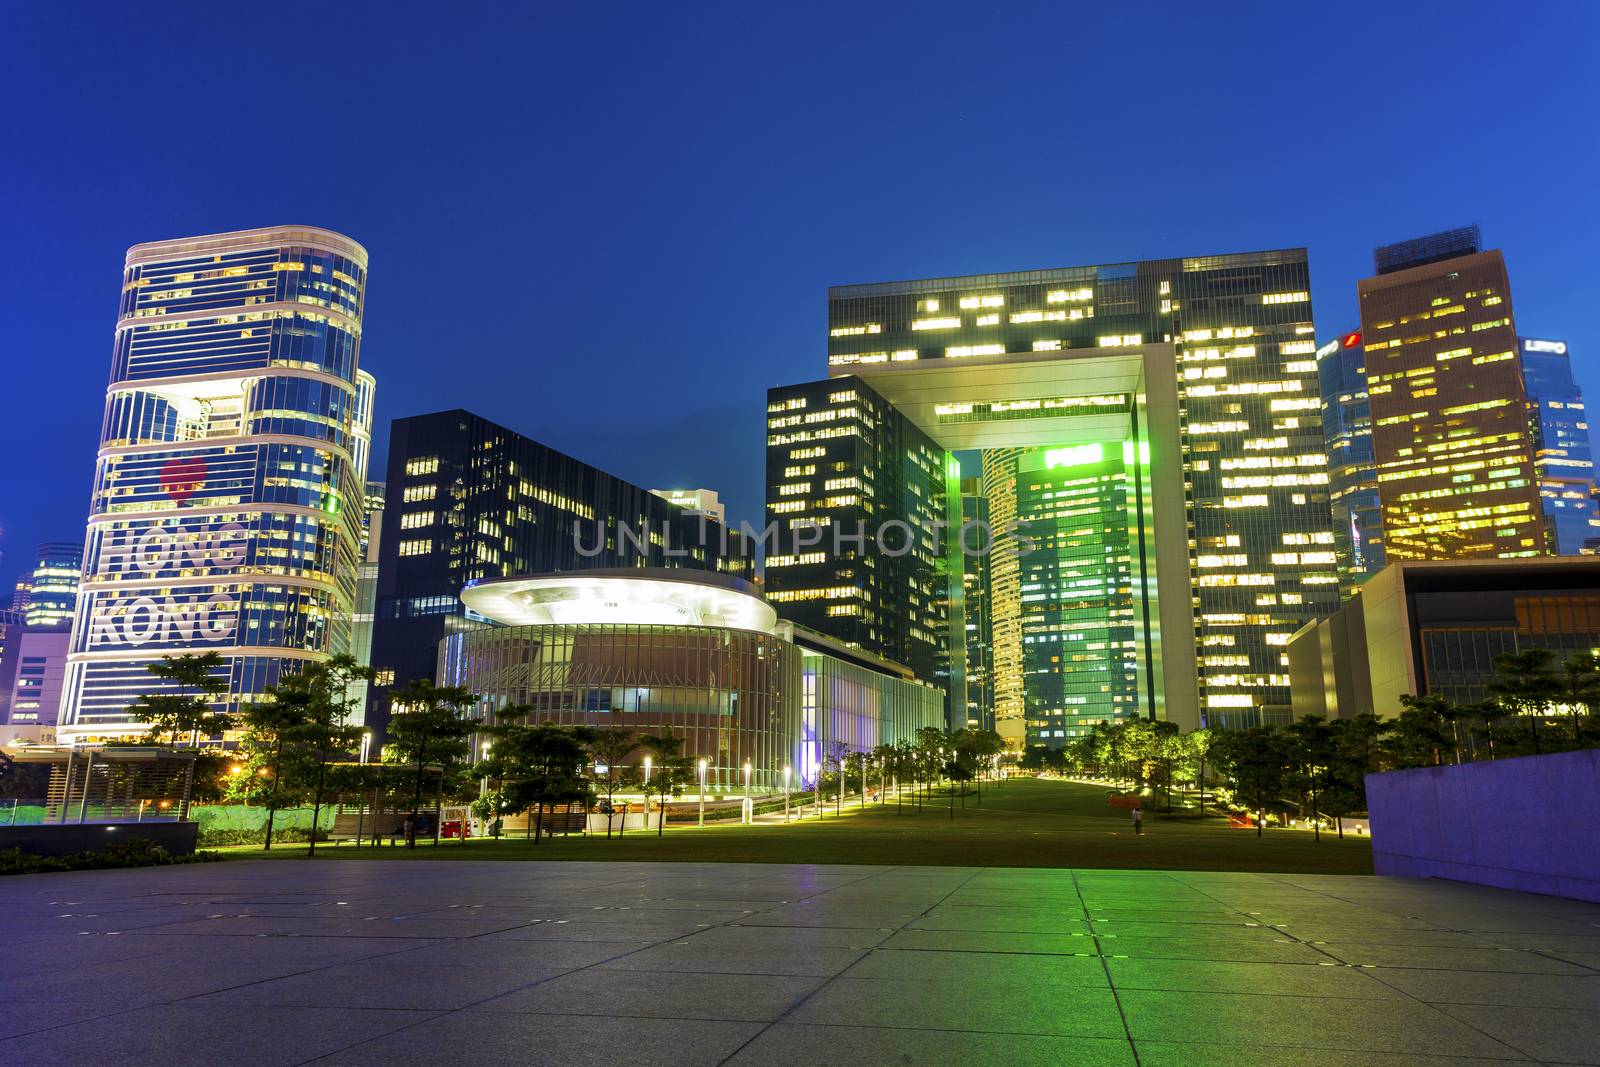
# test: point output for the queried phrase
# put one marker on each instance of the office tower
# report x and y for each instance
(1450, 434)
(696, 502)
(999, 485)
(53, 587)
(472, 500)
(975, 560)
(1263, 561)
(861, 506)
(1352, 474)
(366, 592)
(1562, 454)
(226, 504)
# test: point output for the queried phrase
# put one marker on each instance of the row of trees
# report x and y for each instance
(1319, 765)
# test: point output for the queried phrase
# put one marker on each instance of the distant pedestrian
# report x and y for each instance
(1138, 818)
(410, 828)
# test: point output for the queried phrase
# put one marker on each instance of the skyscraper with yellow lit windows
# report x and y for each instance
(1454, 452)
(1254, 466)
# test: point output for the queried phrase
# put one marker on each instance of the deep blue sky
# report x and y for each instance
(613, 229)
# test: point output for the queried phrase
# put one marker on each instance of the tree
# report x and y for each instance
(1311, 752)
(1529, 684)
(672, 773)
(669, 778)
(1580, 689)
(185, 706)
(328, 732)
(1422, 731)
(612, 745)
(537, 767)
(268, 748)
(1253, 762)
(1200, 742)
(429, 726)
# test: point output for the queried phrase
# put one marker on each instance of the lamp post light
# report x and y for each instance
(647, 794)
(366, 745)
(749, 812)
(702, 792)
(786, 792)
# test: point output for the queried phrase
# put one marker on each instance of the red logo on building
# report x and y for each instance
(182, 478)
(1350, 340)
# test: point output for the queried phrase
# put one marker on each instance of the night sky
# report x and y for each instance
(613, 229)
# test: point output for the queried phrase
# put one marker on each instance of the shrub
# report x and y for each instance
(223, 836)
(134, 853)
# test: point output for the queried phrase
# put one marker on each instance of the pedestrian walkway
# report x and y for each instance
(391, 963)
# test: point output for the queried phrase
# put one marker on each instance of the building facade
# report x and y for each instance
(696, 502)
(978, 627)
(1453, 448)
(1352, 473)
(32, 669)
(53, 586)
(699, 655)
(1437, 626)
(860, 505)
(468, 500)
(1563, 454)
(227, 493)
(1263, 560)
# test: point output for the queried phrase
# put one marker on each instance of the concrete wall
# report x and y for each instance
(1531, 823)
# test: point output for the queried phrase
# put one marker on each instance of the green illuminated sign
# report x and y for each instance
(1075, 455)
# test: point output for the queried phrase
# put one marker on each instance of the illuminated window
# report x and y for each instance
(947, 323)
(412, 520)
(416, 548)
(423, 465)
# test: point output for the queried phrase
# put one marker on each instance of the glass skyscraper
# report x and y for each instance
(53, 586)
(1262, 557)
(1353, 476)
(227, 499)
(1563, 456)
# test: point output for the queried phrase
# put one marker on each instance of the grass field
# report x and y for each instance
(1027, 822)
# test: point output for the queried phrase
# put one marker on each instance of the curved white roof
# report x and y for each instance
(622, 596)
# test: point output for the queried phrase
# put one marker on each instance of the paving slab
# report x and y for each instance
(489, 962)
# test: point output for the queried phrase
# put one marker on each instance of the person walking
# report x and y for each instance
(410, 829)
(1138, 819)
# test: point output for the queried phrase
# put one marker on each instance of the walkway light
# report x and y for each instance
(702, 792)
(749, 812)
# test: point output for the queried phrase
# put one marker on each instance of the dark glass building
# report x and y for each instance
(1262, 553)
(1563, 455)
(468, 500)
(1352, 476)
(862, 509)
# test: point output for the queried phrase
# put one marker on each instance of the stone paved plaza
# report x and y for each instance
(381, 962)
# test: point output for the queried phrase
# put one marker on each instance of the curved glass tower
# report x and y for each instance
(227, 496)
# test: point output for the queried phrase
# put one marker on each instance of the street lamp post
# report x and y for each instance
(749, 812)
(366, 745)
(786, 793)
(702, 792)
(646, 794)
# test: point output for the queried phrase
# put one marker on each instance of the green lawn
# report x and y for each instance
(1027, 822)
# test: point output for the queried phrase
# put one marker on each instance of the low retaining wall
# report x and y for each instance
(1530, 823)
(52, 839)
